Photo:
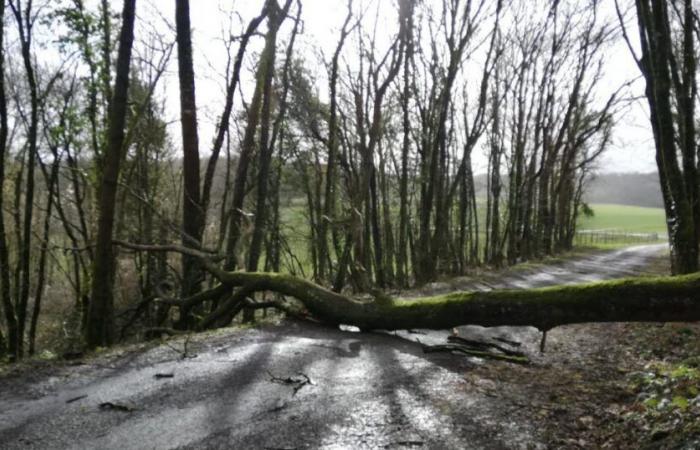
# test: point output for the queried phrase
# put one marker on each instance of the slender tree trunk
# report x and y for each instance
(402, 255)
(106, 52)
(387, 228)
(473, 217)
(223, 125)
(100, 324)
(5, 286)
(330, 188)
(192, 212)
(244, 159)
(24, 21)
(52, 180)
(275, 18)
(493, 255)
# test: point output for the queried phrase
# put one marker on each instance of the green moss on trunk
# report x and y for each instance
(661, 299)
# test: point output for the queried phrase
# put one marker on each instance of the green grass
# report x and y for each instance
(632, 219)
(614, 226)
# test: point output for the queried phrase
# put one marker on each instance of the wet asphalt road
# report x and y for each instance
(369, 390)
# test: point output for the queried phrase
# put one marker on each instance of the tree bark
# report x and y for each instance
(192, 213)
(24, 19)
(5, 292)
(329, 200)
(245, 158)
(663, 87)
(402, 270)
(275, 18)
(100, 324)
(51, 181)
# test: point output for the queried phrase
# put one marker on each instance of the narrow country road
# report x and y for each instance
(372, 390)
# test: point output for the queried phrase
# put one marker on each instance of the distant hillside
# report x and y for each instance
(637, 189)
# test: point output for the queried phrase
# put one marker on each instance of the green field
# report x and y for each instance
(615, 226)
(631, 219)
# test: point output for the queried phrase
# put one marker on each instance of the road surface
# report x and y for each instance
(369, 390)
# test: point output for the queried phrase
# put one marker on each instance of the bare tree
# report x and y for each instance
(25, 18)
(100, 324)
(13, 336)
(671, 89)
(275, 18)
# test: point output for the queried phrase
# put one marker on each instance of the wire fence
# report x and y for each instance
(615, 236)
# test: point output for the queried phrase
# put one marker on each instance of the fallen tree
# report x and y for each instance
(649, 299)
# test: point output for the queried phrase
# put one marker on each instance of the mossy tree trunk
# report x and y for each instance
(662, 299)
(652, 299)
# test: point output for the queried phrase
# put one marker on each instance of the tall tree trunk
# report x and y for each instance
(473, 217)
(369, 171)
(100, 324)
(5, 291)
(659, 69)
(330, 188)
(223, 125)
(51, 181)
(387, 228)
(275, 18)
(493, 224)
(402, 271)
(106, 54)
(244, 159)
(25, 20)
(192, 212)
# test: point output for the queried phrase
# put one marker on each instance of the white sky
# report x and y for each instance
(632, 149)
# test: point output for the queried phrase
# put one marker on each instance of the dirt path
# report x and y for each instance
(371, 390)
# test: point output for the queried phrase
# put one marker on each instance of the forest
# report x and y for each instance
(342, 181)
(358, 181)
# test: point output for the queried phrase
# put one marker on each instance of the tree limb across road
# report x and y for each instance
(647, 299)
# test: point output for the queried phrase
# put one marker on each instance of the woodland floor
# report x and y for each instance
(596, 386)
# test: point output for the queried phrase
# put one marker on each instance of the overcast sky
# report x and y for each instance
(632, 148)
